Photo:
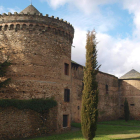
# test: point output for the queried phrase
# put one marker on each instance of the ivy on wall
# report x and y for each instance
(38, 105)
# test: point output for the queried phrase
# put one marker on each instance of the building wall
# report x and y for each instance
(18, 124)
(108, 105)
(130, 89)
(38, 47)
(77, 87)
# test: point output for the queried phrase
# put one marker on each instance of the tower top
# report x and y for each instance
(30, 9)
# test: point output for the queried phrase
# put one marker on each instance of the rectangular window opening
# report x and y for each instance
(132, 104)
(66, 70)
(66, 95)
(106, 89)
(65, 120)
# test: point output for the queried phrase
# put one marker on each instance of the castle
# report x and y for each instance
(39, 48)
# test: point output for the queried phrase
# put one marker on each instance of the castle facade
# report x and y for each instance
(39, 48)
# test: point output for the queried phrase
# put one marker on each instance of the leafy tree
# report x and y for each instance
(89, 112)
(126, 110)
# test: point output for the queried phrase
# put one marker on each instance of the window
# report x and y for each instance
(66, 69)
(132, 104)
(67, 95)
(65, 120)
(106, 89)
(78, 107)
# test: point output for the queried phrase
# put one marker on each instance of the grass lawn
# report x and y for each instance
(122, 122)
(104, 132)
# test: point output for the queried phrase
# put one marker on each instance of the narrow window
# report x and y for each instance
(67, 95)
(132, 104)
(66, 69)
(106, 89)
(65, 120)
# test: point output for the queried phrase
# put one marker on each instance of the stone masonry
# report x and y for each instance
(39, 48)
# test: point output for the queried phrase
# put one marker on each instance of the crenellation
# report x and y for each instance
(4, 14)
(52, 17)
(57, 18)
(40, 14)
(9, 13)
(15, 13)
(40, 19)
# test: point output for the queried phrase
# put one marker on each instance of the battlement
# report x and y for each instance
(22, 14)
(6, 17)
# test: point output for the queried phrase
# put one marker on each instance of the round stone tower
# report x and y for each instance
(39, 48)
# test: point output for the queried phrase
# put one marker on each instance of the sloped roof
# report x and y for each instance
(31, 9)
(133, 74)
(76, 63)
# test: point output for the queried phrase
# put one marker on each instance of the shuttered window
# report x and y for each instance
(66, 95)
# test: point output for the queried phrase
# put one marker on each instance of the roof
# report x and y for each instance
(133, 74)
(30, 9)
(76, 63)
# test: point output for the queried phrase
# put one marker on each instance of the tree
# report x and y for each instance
(126, 110)
(89, 112)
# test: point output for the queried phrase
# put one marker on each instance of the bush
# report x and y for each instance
(38, 105)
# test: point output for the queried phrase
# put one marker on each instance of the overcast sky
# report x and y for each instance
(117, 23)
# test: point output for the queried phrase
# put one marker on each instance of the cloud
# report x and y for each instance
(6, 10)
(79, 42)
(2, 9)
(12, 10)
(134, 8)
(116, 56)
(88, 6)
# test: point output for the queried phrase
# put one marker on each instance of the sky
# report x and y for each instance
(116, 22)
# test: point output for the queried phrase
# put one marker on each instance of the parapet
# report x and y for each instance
(21, 18)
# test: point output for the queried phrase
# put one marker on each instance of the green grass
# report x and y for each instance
(78, 125)
(104, 132)
(122, 122)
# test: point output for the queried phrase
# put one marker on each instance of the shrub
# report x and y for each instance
(38, 105)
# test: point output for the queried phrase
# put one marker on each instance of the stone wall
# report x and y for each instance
(38, 48)
(130, 89)
(77, 87)
(18, 124)
(108, 105)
